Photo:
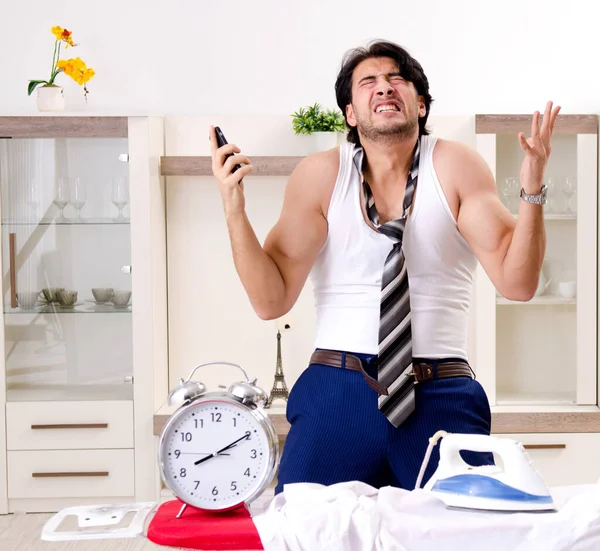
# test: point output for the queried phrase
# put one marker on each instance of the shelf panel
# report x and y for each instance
(201, 166)
(560, 217)
(69, 393)
(70, 222)
(548, 419)
(276, 413)
(513, 124)
(504, 398)
(544, 300)
(63, 127)
(88, 308)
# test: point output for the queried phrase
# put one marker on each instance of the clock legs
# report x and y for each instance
(183, 508)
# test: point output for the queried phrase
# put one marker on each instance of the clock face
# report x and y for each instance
(215, 454)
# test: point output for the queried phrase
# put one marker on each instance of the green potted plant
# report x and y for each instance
(324, 125)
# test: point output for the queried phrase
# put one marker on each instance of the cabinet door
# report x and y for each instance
(65, 242)
(543, 351)
(563, 459)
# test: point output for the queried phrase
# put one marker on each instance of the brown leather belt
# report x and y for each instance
(422, 372)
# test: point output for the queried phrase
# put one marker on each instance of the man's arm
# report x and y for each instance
(511, 252)
(274, 275)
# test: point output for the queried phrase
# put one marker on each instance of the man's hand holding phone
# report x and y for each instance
(229, 169)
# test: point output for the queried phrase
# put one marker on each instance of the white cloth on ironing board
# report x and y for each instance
(354, 516)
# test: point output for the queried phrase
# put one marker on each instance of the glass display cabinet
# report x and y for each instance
(84, 307)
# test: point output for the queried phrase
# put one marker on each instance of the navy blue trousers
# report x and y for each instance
(338, 434)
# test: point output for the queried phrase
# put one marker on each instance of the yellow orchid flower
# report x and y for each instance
(74, 67)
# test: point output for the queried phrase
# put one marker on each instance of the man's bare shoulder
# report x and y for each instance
(460, 165)
(322, 165)
(314, 177)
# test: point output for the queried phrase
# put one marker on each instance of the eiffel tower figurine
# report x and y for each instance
(279, 389)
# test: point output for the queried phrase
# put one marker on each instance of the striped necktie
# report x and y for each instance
(395, 347)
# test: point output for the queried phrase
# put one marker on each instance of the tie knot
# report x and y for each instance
(393, 229)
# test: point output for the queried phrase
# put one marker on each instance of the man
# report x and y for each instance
(390, 366)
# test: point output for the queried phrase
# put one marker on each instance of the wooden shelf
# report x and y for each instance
(544, 300)
(63, 127)
(549, 419)
(201, 166)
(513, 124)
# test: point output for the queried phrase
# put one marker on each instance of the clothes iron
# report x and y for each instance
(515, 486)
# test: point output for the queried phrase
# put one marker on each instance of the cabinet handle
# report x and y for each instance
(72, 426)
(72, 474)
(13, 271)
(544, 446)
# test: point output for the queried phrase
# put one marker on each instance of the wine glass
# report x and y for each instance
(78, 196)
(569, 187)
(120, 195)
(510, 191)
(61, 198)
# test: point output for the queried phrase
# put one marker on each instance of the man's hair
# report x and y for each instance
(410, 70)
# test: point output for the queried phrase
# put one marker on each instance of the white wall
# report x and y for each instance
(247, 66)
(271, 56)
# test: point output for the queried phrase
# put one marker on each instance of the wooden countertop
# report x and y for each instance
(505, 419)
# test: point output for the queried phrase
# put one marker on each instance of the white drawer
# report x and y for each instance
(69, 425)
(563, 459)
(70, 473)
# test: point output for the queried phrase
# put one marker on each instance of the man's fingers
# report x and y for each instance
(535, 125)
(212, 136)
(235, 160)
(524, 145)
(553, 118)
(222, 152)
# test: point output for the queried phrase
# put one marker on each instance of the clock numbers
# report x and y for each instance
(217, 455)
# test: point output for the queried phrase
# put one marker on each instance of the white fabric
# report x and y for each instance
(354, 516)
(347, 273)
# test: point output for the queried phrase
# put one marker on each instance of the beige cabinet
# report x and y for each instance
(537, 360)
(83, 330)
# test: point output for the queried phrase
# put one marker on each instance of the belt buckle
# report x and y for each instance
(426, 372)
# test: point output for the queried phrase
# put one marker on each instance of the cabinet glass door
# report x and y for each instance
(66, 252)
(545, 348)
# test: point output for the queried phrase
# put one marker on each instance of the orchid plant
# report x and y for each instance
(74, 67)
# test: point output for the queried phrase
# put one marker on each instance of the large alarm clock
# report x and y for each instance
(218, 450)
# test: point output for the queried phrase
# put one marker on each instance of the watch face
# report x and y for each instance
(215, 454)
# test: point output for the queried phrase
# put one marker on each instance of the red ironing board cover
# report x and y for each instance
(195, 529)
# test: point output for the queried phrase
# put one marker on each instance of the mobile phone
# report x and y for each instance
(221, 141)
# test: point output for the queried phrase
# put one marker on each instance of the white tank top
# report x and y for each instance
(347, 273)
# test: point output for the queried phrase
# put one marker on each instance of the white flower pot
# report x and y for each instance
(324, 140)
(50, 98)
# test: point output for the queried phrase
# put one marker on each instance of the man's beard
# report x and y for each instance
(389, 134)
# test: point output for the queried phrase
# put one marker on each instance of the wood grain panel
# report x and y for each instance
(501, 422)
(201, 166)
(545, 422)
(63, 127)
(513, 124)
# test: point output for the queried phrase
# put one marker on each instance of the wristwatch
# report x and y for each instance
(537, 198)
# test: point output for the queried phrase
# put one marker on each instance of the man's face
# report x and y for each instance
(384, 106)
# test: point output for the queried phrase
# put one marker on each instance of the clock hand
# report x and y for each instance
(234, 443)
(200, 453)
(221, 450)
